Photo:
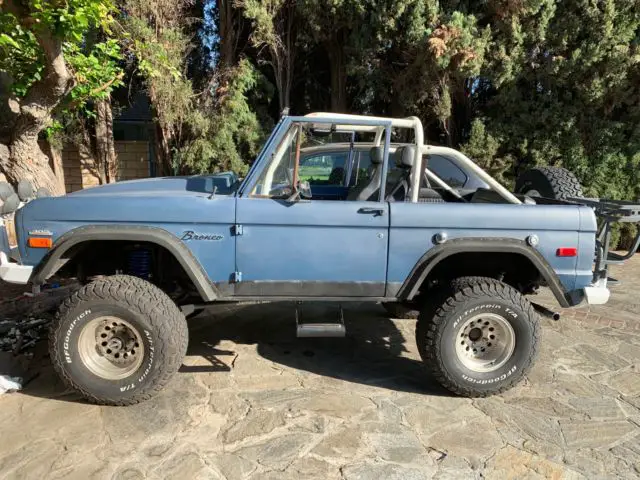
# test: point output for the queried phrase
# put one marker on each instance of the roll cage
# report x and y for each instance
(381, 127)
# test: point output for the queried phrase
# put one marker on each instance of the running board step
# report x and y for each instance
(320, 329)
(309, 330)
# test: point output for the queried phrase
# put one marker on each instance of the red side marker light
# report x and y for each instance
(567, 252)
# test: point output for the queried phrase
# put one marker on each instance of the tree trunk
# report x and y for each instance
(21, 157)
(283, 80)
(228, 33)
(105, 147)
(162, 139)
(338, 74)
(290, 54)
(56, 160)
(87, 154)
(27, 161)
(163, 151)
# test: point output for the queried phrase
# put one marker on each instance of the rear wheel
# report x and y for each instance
(550, 182)
(118, 340)
(479, 338)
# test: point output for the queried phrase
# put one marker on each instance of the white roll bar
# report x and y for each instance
(412, 123)
(468, 164)
(437, 180)
(415, 124)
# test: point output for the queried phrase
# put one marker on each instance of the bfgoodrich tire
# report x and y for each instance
(550, 182)
(480, 339)
(118, 340)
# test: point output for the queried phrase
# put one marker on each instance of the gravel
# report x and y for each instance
(20, 336)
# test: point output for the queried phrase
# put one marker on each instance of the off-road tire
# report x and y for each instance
(449, 308)
(399, 310)
(144, 306)
(402, 311)
(550, 182)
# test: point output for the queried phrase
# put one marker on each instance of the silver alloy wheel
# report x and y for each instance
(110, 348)
(485, 342)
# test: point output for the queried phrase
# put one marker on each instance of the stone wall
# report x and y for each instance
(80, 169)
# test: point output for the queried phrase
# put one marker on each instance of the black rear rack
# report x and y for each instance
(610, 212)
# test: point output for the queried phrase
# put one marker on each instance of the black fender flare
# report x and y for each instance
(52, 262)
(435, 255)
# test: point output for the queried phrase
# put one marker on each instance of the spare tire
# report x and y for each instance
(549, 182)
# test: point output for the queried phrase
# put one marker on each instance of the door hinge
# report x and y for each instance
(236, 277)
(237, 230)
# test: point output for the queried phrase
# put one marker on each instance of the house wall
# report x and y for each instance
(80, 169)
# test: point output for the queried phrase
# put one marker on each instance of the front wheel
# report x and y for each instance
(480, 339)
(118, 340)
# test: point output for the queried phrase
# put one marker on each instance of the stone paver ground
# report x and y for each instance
(253, 402)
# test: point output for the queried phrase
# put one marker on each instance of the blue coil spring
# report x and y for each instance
(139, 263)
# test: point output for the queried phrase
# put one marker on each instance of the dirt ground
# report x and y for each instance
(253, 402)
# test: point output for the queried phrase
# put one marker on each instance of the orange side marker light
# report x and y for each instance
(39, 242)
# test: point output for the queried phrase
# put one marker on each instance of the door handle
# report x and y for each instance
(375, 211)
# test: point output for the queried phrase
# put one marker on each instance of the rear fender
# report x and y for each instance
(437, 254)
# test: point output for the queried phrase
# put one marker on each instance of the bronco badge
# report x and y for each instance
(191, 235)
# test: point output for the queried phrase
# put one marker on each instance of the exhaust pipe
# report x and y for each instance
(542, 310)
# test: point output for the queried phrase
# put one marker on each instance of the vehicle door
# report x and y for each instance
(292, 246)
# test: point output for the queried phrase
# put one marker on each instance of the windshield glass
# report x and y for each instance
(322, 156)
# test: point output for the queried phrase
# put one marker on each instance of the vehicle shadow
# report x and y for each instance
(374, 351)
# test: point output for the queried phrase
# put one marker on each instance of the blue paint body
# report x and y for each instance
(334, 242)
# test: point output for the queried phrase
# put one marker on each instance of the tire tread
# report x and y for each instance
(563, 182)
(144, 298)
(430, 327)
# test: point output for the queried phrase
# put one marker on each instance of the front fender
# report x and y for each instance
(54, 259)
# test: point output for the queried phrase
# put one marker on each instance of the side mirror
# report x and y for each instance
(302, 192)
(305, 190)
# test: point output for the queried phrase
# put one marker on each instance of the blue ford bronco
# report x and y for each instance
(336, 207)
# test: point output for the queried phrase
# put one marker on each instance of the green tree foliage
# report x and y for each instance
(154, 33)
(561, 88)
(232, 135)
(273, 27)
(46, 68)
(22, 56)
(484, 149)
(205, 131)
(514, 84)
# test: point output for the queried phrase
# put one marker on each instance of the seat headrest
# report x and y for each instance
(376, 154)
(404, 156)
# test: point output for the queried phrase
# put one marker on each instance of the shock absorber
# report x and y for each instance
(139, 263)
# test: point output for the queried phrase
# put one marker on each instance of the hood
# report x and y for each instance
(223, 183)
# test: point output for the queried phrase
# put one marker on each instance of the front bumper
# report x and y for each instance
(12, 272)
(597, 293)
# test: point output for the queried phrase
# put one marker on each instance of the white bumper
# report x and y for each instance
(597, 293)
(12, 272)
